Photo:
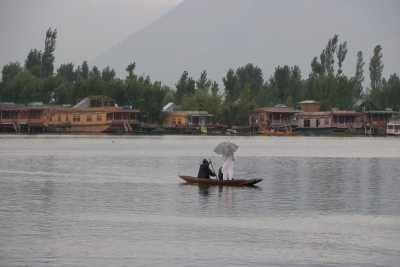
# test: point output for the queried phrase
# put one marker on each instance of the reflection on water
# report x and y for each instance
(117, 201)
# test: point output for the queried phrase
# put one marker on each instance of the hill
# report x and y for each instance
(216, 35)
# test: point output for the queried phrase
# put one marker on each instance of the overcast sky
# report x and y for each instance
(86, 28)
(89, 28)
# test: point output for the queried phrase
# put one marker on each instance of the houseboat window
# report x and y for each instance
(76, 117)
(67, 117)
(89, 117)
(174, 121)
(306, 122)
(317, 123)
(179, 121)
(326, 120)
(98, 116)
(50, 118)
(59, 117)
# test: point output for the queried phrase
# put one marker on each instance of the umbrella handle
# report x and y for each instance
(212, 165)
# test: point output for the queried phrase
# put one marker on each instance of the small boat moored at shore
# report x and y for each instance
(393, 128)
(236, 182)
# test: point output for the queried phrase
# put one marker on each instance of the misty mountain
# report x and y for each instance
(216, 35)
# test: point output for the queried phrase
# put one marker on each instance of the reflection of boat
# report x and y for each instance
(393, 128)
(236, 182)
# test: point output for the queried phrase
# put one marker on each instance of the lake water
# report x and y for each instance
(74, 200)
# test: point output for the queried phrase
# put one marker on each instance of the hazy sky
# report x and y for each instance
(89, 28)
(86, 28)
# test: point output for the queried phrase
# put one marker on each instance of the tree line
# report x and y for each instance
(242, 89)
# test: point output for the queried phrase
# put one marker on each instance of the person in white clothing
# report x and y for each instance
(228, 162)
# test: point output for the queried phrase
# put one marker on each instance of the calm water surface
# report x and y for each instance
(117, 201)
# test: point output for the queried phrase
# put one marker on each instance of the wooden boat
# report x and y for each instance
(237, 182)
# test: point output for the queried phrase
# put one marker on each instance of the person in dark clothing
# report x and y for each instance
(205, 171)
(220, 174)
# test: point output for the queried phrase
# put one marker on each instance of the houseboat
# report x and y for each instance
(311, 121)
(277, 120)
(93, 114)
(377, 121)
(187, 122)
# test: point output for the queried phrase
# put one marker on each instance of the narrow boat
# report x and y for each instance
(236, 182)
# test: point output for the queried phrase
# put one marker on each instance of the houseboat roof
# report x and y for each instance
(276, 110)
(329, 113)
(345, 112)
(95, 101)
(191, 113)
(168, 107)
(309, 102)
(382, 112)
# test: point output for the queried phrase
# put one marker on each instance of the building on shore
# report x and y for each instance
(281, 120)
(186, 121)
(277, 120)
(93, 114)
(377, 120)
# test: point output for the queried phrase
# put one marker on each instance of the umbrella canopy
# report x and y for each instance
(225, 148)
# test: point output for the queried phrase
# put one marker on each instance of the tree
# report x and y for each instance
(203, 83)
(327, 55)
(231, 86)
(252, 76)
(280, 80)
(66, 71)
(214, 88)
(389, 96)
(130, 68)
(33, 62)
(359, 75)
(341, 55)
(83, 71)
(185, 86)
(375, 70)
(108, 74)
(48, 54)
(10, 72)
(95, 71)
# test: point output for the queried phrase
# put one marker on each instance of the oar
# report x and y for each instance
(213, 168)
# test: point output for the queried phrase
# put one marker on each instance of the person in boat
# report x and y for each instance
(220, 174)
(205, 171)
(228, 162)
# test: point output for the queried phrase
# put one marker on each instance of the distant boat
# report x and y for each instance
(284, 130)
(236, 182)
(393, 128)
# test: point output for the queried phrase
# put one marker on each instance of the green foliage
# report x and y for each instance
(48, 54)
(243, 89)
(390, 93)
(185, 86)
(286, 86)
(375, 71)
(66, 71)
(33, 62)
(359, 75)
(10, 72)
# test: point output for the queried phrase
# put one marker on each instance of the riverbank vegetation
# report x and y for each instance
(231, 102)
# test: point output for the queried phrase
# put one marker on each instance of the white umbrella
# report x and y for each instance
(225, 148)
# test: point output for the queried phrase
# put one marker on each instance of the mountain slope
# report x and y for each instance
(216, 35)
